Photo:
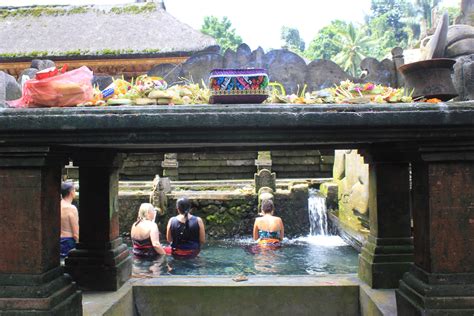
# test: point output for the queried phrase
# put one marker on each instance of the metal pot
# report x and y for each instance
(430, 78)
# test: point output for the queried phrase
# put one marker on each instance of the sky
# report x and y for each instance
(258, 22)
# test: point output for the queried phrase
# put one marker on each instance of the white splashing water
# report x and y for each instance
(319, 240)
(318, 218)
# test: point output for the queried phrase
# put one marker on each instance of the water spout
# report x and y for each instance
(318, 218)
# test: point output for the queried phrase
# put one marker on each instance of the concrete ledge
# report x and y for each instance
(377, 302)
(260, 295)
(117, 303)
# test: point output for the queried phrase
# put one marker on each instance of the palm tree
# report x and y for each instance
(353, 43)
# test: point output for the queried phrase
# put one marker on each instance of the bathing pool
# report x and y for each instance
(312, 255)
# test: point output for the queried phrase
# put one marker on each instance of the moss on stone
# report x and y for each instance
(134, 9)
(36, 11)
(79, 52)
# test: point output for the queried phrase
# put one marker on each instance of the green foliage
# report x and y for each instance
(80, 52)
(291, 39)
(322, 46)
(134, 9)
(453, 13)
(354, 45)
(222, 31)
(36, 11)
(424, 7)
(393, 11)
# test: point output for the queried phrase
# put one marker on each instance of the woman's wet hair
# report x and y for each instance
(143, 211)
(183, 205)
(267, 206)
(66, 188)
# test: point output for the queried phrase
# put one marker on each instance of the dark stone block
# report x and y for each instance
(422, 293)
(230, 59)
(29, 72)
(94, 267)
(383, 262)
(50, 293)
(287, 68)
(383, 72)
(256, 59)
(323, 74)
(9, 88)
(42, 64)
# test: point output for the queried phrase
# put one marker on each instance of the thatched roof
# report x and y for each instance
(98, 30)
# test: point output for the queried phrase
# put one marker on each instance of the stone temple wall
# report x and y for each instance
(225, 215)
(226, 165)
(283, 66)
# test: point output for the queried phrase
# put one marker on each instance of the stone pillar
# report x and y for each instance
(170, 166)
(31, 279)
(398, 60)
(441, 282)
(264, 160)
(388, 253)
(101, 260)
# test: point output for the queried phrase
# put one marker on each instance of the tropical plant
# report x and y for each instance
(222, 31)
(323, 46)
(353, 43)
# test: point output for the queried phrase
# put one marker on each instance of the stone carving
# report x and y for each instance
(282, 65)
(170, 72)
(161, 186)
(287, 68)
(170, 166)
(352, 177)
(436, 45)
(398, 60)
(9, 88)
(463, 78)
(265, 178)
(264, 160)
(460, 41)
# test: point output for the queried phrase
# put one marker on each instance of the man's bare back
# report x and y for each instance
(69, 221)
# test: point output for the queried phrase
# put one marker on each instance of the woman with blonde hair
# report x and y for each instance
(145, 234)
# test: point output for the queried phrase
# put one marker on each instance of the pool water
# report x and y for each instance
(312, 255)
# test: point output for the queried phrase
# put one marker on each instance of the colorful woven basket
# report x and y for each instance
(238, 85)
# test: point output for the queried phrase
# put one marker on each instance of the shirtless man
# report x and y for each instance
(69, 219)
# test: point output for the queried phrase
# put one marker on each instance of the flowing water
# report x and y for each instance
(318, 218)
(316, 254)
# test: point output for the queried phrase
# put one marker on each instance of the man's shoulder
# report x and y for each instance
(69, 208)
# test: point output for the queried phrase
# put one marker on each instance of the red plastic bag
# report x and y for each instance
(68, 89)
